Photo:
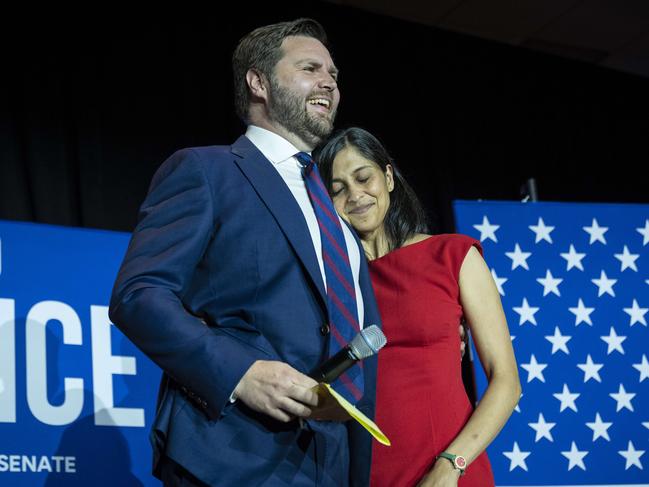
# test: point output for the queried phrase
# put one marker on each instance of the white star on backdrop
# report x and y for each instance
(591, 370)
(517, 408)
(636, 313)
(604, 284)
(542, 429)
(558, 341)
(614, 342)
(526, 312)
(517, 457)
(596, 232)
(600, 428)
(534, 369)
(644, 232)
(582, 313)
(487, 230)
(542, 232)
(623, 399)
(550, 283)
(499, 281)
(627, 259)
(518, 257)
(575, 457)
(643, 368)
(567, 399)
(573, 259)
(632, 456)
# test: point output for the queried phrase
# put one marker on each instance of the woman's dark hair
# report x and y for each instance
(405, 216)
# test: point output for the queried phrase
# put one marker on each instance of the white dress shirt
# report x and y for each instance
(281, 153)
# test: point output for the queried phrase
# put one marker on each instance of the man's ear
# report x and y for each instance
(257, 84)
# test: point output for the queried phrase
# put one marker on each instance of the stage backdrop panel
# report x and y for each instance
(76, 397)
(574, 283)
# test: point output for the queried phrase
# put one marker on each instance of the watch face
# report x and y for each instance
(460, 461)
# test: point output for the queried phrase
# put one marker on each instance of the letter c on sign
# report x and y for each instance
(35, 339)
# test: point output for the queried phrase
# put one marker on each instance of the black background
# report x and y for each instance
(93, 101)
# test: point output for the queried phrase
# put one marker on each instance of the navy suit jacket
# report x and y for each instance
(221, 272)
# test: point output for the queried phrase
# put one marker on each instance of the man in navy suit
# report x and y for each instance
(223, 286)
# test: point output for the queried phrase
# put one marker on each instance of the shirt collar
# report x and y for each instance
(274, 147)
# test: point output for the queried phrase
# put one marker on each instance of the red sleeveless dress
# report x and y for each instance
(421, 403)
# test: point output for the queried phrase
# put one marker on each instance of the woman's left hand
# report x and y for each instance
(441, 475)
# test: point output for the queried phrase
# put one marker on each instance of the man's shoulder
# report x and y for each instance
(205, 152)
(200, 161)
(214, 153)
(207, 156)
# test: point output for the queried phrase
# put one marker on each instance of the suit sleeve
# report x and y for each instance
(176, 223)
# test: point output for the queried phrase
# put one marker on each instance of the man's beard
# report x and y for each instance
(289, 110)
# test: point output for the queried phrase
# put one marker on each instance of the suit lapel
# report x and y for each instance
(279, 200)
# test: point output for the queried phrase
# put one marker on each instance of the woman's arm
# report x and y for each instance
(484, 313)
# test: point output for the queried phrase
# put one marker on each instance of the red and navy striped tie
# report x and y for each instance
(341, 296)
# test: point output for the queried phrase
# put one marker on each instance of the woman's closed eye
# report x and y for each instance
(336, 191)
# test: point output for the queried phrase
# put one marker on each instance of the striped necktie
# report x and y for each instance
(341, 296)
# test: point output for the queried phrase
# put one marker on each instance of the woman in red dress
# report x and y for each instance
(425, 285)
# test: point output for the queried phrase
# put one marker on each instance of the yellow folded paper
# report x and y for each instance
(364, 421)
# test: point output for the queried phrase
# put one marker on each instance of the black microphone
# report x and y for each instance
(368, 342)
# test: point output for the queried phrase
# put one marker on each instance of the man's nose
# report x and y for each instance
(328, 82)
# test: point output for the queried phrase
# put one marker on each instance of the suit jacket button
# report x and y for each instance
(324, 329)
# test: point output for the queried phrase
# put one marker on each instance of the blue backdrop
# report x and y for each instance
(574, 282)
(76, 397)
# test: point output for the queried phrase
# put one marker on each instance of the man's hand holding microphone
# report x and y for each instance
(277, 389)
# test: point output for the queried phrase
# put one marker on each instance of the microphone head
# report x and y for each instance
(368, 342)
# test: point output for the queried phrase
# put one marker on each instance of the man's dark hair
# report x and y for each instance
(261, 50)
(405, 216)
